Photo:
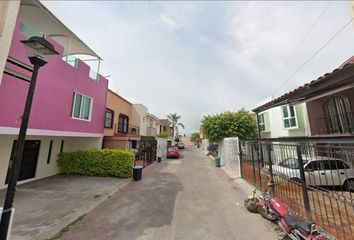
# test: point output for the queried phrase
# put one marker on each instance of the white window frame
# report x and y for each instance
(289, 117)
(81, 107)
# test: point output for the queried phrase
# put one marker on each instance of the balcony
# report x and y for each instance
(151, 131)
(335, 124)
(132, 131)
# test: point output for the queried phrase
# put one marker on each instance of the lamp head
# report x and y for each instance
(39, 50)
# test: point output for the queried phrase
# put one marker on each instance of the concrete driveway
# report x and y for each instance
(178, 199)
(45, 206)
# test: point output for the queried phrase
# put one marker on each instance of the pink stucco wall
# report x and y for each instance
(52, 103)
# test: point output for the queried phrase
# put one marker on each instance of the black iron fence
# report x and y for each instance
(144, 150)
(313, 177)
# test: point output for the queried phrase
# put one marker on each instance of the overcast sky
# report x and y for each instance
(198, 58)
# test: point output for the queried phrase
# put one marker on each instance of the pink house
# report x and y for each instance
(69, 102)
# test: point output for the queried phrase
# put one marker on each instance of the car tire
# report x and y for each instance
(349, 185)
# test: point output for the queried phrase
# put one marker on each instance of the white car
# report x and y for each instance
(180, 145)
(319, 170)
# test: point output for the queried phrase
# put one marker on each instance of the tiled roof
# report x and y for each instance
(324, 78)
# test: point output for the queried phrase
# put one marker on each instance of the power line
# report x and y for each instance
(315, 54)
(301, 41)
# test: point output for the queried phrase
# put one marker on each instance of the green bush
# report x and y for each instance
(97, 162)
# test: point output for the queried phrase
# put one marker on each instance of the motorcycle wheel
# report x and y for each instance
(266, 214)
(250, 204)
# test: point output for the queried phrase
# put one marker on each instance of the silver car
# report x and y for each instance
(319, 170)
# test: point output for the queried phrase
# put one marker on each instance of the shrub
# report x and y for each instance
(240, 124)
(163, 135)
(97, 162)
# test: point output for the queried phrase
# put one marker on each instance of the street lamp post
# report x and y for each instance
(39, 51)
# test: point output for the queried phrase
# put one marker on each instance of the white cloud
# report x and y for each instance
(197, 58)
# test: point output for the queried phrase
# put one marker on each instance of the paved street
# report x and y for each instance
(182, 199)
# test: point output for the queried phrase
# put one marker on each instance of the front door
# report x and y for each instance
(29, 160)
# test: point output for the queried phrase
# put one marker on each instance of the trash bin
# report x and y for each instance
(217, 161)
(137, 173)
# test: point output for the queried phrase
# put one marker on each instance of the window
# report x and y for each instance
(82, 106)
(292, 163)
(261, 122)
(289, 116)
(123, 123)
(108, 122)
(338, 116)
(314, 165)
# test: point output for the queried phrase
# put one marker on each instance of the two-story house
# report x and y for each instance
(118, 122)
(165, 126)
(69, 101)
(153, 126)
(323, 107)
(284, 121)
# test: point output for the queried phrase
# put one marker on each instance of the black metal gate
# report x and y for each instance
(144, 149)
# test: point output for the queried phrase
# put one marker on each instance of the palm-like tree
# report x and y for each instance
(174, 118)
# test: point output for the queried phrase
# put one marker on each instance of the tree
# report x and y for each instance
(195, 137)
(174, 118)
(240, 124)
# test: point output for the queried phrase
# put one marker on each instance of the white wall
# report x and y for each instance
(43, 168)
(229, 153)
(8, 15)
(277, 126)
(139, 117)
(161, 148)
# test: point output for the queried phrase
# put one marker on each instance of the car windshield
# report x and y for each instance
(171, 149)
(292, 163)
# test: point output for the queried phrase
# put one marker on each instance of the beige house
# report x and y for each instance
(153, 126)
(139, 118)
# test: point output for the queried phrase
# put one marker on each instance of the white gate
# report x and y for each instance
(229, 154)
(161, 148)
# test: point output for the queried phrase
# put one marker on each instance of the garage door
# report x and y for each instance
(29, 160)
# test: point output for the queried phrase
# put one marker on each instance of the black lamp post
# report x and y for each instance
(39, 51)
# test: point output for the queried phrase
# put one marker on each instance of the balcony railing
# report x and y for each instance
(335, 124)
(131, 131)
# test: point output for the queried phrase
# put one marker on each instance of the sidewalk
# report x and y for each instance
(45, 206)
(177, 199)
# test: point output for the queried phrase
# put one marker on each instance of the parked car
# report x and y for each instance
(180, 145)
(173, 152)
(319, 170)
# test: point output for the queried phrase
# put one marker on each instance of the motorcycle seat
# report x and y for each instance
(304, 226)
(296, 222)
(291, 220)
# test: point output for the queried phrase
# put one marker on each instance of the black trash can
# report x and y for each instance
(137, 173)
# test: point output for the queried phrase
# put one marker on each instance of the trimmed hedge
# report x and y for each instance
(97, 162)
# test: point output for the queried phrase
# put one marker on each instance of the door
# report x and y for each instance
(29, 160)
(335, 172)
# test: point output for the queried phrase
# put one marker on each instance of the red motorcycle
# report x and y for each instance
(274, 209)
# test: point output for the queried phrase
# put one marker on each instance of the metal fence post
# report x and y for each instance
(303, 183)
(271, 181)
(240, 157)
(254, 169)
